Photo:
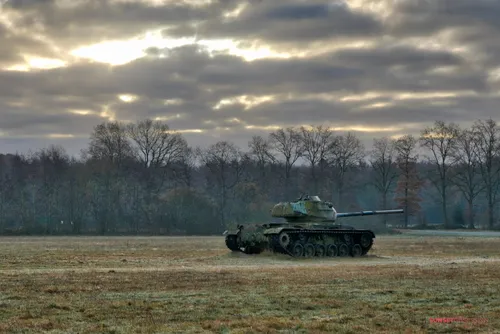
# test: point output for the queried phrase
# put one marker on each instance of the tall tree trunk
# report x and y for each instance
(471, 213)
(384, 207)
(445, 211)
(491, 209)
(406, 203)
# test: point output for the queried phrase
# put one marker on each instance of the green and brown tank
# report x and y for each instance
(310, 229)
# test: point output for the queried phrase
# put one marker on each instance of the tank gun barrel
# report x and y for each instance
(369, 213)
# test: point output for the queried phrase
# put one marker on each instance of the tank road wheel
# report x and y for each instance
(302, 238)
(320, 250)
(309, 250)
(356, 250)
(343, 250)
(366, 240)
(331, 250)
(284, 239)
(297, 250)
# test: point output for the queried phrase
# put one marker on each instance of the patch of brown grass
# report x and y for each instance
(196, 285)
(436, 246)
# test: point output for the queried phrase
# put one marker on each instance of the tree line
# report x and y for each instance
(144, 178)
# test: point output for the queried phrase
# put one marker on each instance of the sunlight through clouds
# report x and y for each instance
(81, 112)
(229, 68)
(127, 98)
(60, 135)
(248, 101)
(34, 63)
(168, 118)
(122, 52)
(45, 63)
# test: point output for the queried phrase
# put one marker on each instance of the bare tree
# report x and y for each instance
(383, 163)
(466, 176)
(260, 150)
(157, 149)
(183, 170)
(224, 162)
(345, 154)
(106, 191)
(287, 143)
(488, 135)
(160, 152)
(316, 142)
(156, 146)
(109, 150)
(52, 163)
(109, 143)
(406, 160)
(441, 140)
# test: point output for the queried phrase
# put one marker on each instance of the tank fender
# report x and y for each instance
(273, 230)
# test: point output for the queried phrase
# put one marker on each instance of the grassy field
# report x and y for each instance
(176, 284)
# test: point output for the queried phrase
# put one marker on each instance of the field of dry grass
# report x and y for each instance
(176, 284)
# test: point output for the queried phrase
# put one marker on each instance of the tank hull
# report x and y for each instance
(300, 242)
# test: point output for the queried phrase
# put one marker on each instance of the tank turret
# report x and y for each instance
(306, 208)
(310, 229)
(313, 209)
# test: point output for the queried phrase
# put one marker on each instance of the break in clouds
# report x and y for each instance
(233, 69)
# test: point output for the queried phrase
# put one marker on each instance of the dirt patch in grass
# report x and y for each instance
(151, 285)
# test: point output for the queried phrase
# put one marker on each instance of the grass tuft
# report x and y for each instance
(177, 284)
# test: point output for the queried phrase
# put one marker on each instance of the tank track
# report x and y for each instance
(321, 242)
(233, 243)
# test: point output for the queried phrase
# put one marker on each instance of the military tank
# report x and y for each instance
(310, 229)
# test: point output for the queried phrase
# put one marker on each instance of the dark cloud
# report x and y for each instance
(81, 22)
(397, 113)
(409, 57)
(7, 55)
(422, 17)
(281, 76)
(14, 44)
(365, 69)
(45, 116)
(15, 84)
(24, 4)
(190, 74)
(182, 85)
(280, 23)
(470, 24)
(191, 113)
(298, 12)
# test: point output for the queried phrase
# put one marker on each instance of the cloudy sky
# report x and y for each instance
(229, 69)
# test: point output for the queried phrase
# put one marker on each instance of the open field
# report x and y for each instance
(177, 284)
(456, 233)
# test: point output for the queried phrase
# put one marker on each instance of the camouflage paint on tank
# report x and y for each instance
(253, 234)
(309, 208)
